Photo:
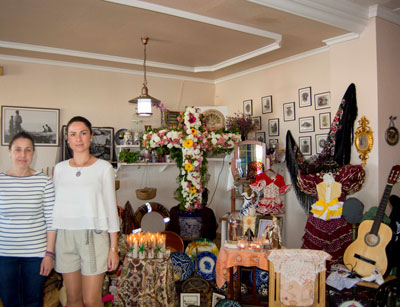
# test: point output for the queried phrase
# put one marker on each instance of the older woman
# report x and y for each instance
(86, 218)
(26, 234)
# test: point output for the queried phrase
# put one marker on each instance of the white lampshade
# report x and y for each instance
(144, 107)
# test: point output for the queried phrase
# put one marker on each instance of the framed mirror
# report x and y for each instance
(364, 140)
(245, 152)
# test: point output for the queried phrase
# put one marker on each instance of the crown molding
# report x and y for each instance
(340, 39)
(384, 13)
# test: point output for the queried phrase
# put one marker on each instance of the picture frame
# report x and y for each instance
(248, 107)
(324, 120)
(262, 223)
(42, 123)
(273, 127)
(322, 100)
(190, 299)
(102, 144)
(306, 124)
(260, 136)
(320, 140)
(305, 145)
(170, 118)
(272, 142)
(305, 97)
(257, 121)
(266, 104)
(289, 113)
(216, 297)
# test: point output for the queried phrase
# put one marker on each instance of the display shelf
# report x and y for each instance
(163, 165)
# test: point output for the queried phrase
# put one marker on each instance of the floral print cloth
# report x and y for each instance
(148, 282)
(298, 269)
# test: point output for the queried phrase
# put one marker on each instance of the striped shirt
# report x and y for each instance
(26, 208)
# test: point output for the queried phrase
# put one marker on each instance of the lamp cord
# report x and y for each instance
(144, 64)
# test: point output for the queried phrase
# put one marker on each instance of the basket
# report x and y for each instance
(146, 193)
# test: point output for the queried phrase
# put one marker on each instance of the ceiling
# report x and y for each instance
(203, 39)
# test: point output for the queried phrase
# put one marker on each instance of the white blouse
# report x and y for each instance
(87, 201)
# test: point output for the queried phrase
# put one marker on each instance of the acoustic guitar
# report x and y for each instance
(368, 250)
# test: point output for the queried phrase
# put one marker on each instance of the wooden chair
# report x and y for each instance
(173, 241)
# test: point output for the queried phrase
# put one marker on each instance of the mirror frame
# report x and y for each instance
(364, 130)
(234, 169)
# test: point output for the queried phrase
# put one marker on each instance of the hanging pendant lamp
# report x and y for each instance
(145, 101)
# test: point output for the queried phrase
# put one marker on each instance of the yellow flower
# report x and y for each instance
(193, 190)
(188, 143)
(189, 167)
(194, 131)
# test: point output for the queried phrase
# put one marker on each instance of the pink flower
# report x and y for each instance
(108, 298)
(192, 119)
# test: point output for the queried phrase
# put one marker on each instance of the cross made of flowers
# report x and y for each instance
(188, 144)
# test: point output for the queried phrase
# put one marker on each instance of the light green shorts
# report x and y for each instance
(85, 250)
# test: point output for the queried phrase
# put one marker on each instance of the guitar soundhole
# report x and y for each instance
(371, 239)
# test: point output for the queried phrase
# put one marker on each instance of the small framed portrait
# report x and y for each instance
(288, 112)
(306, 124)
(257, 121)
(273, 127)
(216, 297)
(170, 118)
(273, 142)
(324, 120)
(260, 136)
(305, 145)
(305, 97)
(266, 104)
(190, 299)
(261, 225)
(248, 107)
(320, 142)
(322, 100)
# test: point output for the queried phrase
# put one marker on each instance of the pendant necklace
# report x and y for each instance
(78, 172)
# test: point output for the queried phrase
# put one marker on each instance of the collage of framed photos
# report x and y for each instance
(306, 124)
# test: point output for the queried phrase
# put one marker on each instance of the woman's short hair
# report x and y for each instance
(82, 120)
(21, 135)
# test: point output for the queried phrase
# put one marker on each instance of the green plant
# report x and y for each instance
(128, 156)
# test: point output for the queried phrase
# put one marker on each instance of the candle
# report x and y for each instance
(135, 247)
(159, 248)
(142, 248)
(151, 246)
(242, 242)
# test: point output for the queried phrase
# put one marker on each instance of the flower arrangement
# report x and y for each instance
(241, 123)
(187, 143)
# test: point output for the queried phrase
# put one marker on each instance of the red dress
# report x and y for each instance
(332, 236)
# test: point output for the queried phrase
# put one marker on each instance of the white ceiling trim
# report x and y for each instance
(100, 68)
(382, 12)
(340, 39)
(200, 18)
(339, 13)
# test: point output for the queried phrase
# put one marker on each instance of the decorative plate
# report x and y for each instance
(261, 279)
(182, 266)
(214, 119)
(206, 262)
(201, 245)
(119, 137)
(227, 303)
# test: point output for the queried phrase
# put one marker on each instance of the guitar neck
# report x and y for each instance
(381, 209)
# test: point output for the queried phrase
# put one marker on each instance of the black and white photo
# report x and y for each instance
(266, 104)
(248, 107)
(305, 145)
(101, 146)
(257, 121)
(273, 127)
(42, 123)
(322, 100)
(320, 142)
(306, 124)
(273, 142)
(260, 136)
(325, 120)
(190, 299)
(305, 97)
(289, 112)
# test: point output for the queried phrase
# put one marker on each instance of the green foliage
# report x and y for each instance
(128, 156)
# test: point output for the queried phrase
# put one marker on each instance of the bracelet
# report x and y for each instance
(115, 249)
(49, 254)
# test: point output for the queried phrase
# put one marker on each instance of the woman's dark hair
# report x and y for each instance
(80, 119)
(21, 135)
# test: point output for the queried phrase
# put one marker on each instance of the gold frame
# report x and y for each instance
(364, 140)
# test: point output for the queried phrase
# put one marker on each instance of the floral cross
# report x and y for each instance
(188, 143)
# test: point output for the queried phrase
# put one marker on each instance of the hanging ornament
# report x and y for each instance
(392, 134)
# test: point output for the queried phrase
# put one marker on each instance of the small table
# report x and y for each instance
(228, 258)
(146, 282)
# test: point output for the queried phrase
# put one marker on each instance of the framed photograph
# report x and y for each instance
(266, 104)
(322, 100)
(325, 120)
(273, 127)
(102, 145)
(257, 122)
(190, 299)
(248, 107)
(42, 123)
(305, 145)
(260, 136)
(170, 118)
(261, 225)
(288, 112)
(305, 97)
(320, 141)
(273, 142)
(216, 297)
(306, 124)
